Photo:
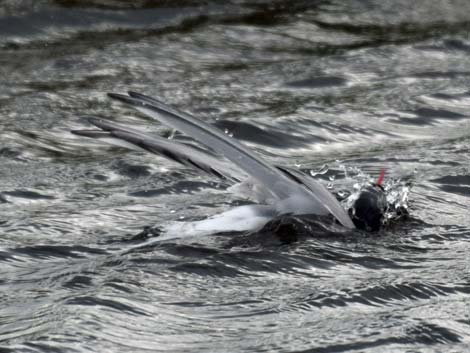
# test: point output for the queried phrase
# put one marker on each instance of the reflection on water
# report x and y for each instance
(335, 87)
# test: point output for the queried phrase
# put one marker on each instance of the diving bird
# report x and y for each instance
(275, 190)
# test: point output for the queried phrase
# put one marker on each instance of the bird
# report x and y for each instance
(274, 190)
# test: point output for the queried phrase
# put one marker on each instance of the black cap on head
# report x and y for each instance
(368, 211)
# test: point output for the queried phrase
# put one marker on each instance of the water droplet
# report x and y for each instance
(321, 171)
(227, 132)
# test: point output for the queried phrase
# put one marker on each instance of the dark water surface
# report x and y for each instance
(360, 84)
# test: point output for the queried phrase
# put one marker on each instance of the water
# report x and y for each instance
(327, 86)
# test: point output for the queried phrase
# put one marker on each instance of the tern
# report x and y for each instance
(276, 191)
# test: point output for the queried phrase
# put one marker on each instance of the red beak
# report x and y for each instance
(381, 177)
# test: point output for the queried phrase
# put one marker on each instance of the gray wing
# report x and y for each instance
(123, 136)
(281, 185)
(322, 193)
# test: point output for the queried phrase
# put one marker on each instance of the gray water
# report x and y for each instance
(362, 85)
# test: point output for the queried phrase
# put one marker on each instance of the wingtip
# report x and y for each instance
(118, 96)
(139, 96)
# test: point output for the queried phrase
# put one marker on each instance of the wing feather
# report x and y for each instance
(134, 139)
(300, 197)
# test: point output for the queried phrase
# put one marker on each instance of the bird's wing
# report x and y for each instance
(322, 194)
(281, 185)
(185, 154)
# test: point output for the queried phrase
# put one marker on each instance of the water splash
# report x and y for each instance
(396, 190)
(323, 170)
